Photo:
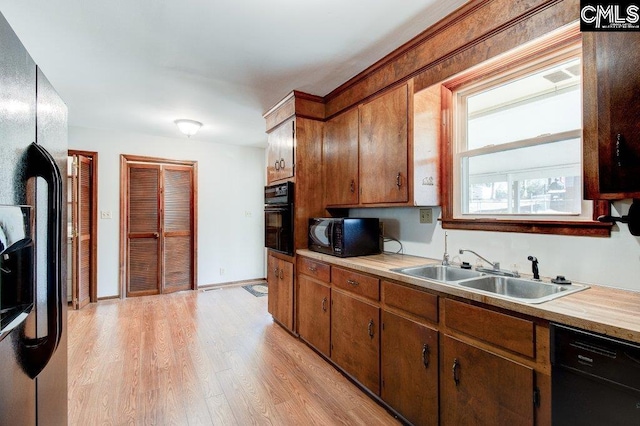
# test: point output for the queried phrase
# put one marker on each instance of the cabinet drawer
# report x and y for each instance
(315, 269)
(511, 333)
(416, 302)
(357, 283)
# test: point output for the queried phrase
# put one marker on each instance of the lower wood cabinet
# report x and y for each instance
(409, 361)
(314, 313)
(480, 388)
(280, 297)
(435, 360)
(355, 338)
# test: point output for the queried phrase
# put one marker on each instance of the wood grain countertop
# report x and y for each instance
(610, 311)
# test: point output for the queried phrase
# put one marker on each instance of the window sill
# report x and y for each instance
(582, 228)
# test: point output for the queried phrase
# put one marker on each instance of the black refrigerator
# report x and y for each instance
(33, 157)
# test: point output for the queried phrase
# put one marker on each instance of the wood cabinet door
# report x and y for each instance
(314, 313)
(144, 269)
(355, 338)
(273, 281)
(481, 388)
(280, 297)
(280, 151)
(611, 88)
(384, 148)
(340, 159)
(409, 360)
(285, 297)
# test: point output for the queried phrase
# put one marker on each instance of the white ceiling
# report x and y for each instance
(138, 65)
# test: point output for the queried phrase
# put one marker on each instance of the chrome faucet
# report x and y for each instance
(445, 256)
(495, 266)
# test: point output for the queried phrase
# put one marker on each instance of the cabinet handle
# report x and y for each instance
(277, 165)
(352, 186)
(456, 371)
(370, 328)
(275, 272)
(324, 305)
(425, 355)
(398, 180)
(312, 269)
(282, 163)
(353, 283)
(156, 235)
(619, 149)
(281, 274)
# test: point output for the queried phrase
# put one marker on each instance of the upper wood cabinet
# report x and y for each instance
(384, 147)
(340, 159)
(371, 156)
(280, 151)
(611, 117)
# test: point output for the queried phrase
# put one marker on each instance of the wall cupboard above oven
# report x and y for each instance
(280, 151)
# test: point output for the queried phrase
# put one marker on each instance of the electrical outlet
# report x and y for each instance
(426, 216)
(221, 271)
(105, 214)
(247, 213)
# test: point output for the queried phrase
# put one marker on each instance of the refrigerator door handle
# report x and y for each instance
(36, 353)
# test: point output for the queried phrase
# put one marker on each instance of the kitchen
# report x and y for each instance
(603, 261)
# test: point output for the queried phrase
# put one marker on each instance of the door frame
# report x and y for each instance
(93, 257)
(125, 159)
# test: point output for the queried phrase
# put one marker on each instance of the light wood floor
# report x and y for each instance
(202, 357)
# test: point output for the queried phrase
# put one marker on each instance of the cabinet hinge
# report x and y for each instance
(382, 326)
(536, 397)
(382, 382)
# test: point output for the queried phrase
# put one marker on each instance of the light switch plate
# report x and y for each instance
(426, 216)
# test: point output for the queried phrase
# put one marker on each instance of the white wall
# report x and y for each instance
(611, 261)
(230, 202)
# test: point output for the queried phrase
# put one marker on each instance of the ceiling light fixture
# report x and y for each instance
(188, 127)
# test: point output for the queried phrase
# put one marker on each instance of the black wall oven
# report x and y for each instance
(278, 217)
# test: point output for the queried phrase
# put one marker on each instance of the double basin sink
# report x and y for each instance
(511, 288)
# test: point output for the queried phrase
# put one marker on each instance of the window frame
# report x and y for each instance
(561, 43)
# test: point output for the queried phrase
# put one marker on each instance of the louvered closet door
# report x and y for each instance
(83, 228)
(143, 241)
(177, 228)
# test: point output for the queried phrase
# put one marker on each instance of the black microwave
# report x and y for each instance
(344, 237)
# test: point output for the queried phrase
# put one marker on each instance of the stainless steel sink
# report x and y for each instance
(446, 274)
(519, 289)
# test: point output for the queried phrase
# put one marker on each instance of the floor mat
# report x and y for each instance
(257, 290)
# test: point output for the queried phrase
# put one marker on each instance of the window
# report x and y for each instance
(516, 145)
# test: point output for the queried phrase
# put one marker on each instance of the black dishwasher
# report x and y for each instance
(595, 379)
